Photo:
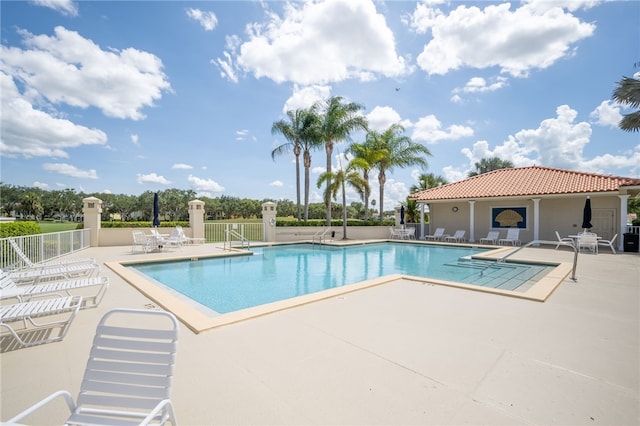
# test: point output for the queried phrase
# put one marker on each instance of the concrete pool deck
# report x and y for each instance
(404, 352)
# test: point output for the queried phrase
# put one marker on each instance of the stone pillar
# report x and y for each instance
(269, 221)
(196, 218)
(92, 210)
(472, 221)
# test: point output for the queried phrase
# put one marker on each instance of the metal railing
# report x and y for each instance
(554, 243)
(43, 247)
(234, 236)
(217, 232)
(321, 235)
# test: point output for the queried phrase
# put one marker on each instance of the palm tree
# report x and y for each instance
(312, 139)
(489, 164)
(627, 92)
(339, 180)
(365, 156)
(293, 131)
(426, 181)
(396, 150)
(337, 121)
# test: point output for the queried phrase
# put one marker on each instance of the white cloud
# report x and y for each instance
(276, 183)
(516, 41)
(351, 38)
(66, 68)
(181, 166)
(480, 85)
(40, 185)
(69, 170)
(66, 7)
(607, 114)
(318, 170)
(381, 117)
(429, 129)
(152, 178)
(134, 139)
(199, 184)
(557, 142)
(33, 133)
(305, 96)
(207, 20)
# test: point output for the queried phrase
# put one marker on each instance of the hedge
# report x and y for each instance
(16, 229)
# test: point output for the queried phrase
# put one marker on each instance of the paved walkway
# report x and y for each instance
(400, 353)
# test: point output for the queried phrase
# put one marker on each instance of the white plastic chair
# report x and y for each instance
(563, 239)
(33, 333)
(437, 235)
(129, 374)
(140, 239)
(9, 289)
(588, 241)
(491, 238)
(458, 237)
(513, 235)
(608, 243)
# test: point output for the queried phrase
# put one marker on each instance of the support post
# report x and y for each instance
(92, 210)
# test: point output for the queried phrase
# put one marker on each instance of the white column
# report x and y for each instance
(269, 221)
(196, 218)
(472, 220)
(92, 210)
(536, 219)
(422, 221)
(623, 221)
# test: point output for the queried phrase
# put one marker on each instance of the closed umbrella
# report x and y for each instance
(586, 215)
(156, 210)
(402, 215)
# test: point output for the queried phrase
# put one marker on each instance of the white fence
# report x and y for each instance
(217, 232)
(43, 247)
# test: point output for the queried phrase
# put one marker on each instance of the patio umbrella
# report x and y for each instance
(402, 215)
(586, 215)
(156, 210)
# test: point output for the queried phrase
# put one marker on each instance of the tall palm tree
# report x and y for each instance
(426, 181)
(490, 164)
(365, 156)
(338, 181)
(397, 150)
(627, 92)
(338, 120)
(312, 139)
(293, 131)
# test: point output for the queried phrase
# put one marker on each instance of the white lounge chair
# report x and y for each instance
(563, 239)
(175, 239)
(513, 235)
(129, 373)
(608, 243)
(436, 236)
(24, 293)
(39, 274)
(588, 241)
(458, 237)
(491, 238)
(31, 332)
(189, 240)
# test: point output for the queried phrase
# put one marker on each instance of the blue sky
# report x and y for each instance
(125, 97)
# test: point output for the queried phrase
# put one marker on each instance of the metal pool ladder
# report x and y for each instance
(238, 237)
(555, 243)
(320, 235)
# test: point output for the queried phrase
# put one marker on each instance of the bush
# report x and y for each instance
(334, 222)
(16, 229)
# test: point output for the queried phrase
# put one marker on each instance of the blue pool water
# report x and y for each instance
(281, 272)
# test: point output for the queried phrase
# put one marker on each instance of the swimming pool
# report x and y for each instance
(281, 272)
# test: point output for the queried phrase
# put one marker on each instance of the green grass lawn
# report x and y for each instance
(48, 227)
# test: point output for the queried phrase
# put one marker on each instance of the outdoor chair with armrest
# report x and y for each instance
(458, 237)
(491, 238)
(563, 239)
(129, 373)
(513, 235)
(608, 243)
(47, 264)
(437, 235)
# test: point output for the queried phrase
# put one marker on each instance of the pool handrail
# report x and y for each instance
(555, 243)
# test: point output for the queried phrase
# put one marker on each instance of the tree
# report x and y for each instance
(426, 181)
(32, 205)
(294, 130)
(337, 121)
(339, 180)
(365, 156)
(627, 92)
(489, 164)
(395, 150)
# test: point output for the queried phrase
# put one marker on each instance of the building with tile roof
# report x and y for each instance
(537, 200)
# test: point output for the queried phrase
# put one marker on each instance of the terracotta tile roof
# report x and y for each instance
(525, 181)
